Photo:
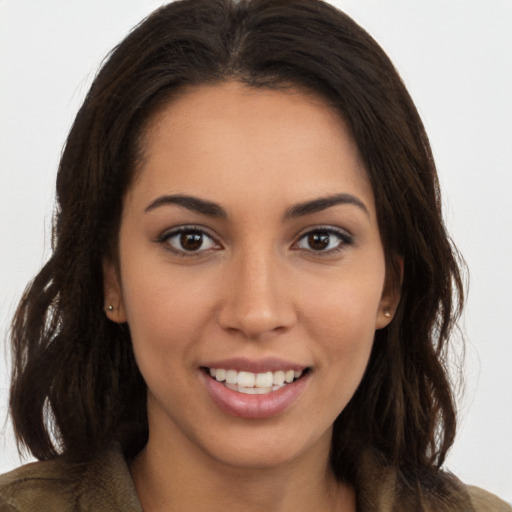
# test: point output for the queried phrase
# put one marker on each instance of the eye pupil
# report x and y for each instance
(191, 241)
(318, 241)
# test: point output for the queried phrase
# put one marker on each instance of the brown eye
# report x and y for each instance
(191, 241)
(186, 241)
(319, 241)
(324, 241)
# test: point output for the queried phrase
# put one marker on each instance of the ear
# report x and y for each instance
(391, 293)
(113, 297)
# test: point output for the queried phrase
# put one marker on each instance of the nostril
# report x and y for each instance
(256, 324)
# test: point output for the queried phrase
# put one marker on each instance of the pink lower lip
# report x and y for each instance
(254, 406)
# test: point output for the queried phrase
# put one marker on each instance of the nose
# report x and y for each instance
(257, 301)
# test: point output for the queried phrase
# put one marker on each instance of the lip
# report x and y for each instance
(254, 406)
(269, 364)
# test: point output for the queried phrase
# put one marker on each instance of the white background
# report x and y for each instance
(456, 59)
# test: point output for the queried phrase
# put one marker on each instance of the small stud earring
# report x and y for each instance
(110, 307)
(387, 313)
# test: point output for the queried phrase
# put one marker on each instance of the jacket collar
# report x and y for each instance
(106, 484)
(383, 488)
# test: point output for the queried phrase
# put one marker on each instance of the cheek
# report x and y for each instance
(345, 304)
(345, 331)
(164, 311)
(163, 331)
(340, 317)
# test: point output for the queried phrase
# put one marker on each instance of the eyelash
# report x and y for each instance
(344, 239)
(165, 238)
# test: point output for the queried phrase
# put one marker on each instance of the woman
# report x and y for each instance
(256, 305)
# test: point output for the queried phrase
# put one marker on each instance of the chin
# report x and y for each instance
(274, 449)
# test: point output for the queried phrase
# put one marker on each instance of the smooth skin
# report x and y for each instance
(256, 268)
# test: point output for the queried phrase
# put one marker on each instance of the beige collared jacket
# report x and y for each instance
(105, 484)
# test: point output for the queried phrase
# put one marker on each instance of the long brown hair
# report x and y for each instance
(76, 387)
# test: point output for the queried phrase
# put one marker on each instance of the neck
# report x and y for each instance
(173, 476)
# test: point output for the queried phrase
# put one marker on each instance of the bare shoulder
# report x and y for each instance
(484, 501)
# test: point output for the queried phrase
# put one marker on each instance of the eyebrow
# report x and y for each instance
(191, 203)
(211, 209)
(322, 203)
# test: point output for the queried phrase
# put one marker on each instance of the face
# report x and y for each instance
(251, 274)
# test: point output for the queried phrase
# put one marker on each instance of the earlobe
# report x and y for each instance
(384, 317)
(114, 305)
(391, 293)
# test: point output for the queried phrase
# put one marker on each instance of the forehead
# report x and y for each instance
(227, 139)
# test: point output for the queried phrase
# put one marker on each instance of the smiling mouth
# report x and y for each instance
(254, 383)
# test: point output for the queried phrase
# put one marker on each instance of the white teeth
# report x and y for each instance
(249, 391)
(231, 376)
(254, 383)
(246, 379)
(278, 378)
(220, 374)
(264, 380)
